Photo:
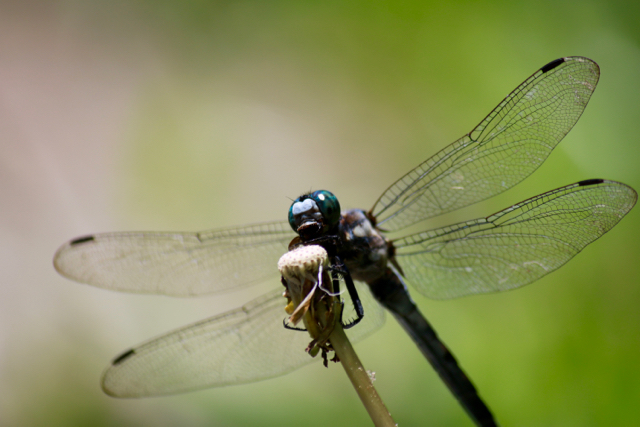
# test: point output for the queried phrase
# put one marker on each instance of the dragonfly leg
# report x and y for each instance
(292, 328)
(339, 267)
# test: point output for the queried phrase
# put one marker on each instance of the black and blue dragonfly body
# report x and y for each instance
(506, 250)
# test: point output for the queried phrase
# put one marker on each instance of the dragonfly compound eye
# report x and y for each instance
(328, 205)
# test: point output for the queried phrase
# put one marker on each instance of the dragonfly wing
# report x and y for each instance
(506, 147)
(515, 246)
(176, 264)
(243, 345)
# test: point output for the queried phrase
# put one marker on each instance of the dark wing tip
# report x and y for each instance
(82, 239)
(590, 182)
(553, 64)
(118, 360)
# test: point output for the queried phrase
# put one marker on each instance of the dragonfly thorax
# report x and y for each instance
(364, 250)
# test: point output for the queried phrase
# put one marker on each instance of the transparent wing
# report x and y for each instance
(516, 246)
(243, 345)
(176, 264)
(506, 147)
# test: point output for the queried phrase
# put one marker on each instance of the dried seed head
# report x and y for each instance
(303, 262)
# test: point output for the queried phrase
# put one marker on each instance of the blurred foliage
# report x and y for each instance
(240, 104)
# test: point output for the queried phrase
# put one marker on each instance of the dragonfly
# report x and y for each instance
(503, 251)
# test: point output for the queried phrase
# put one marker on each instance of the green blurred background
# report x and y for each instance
(188, 115)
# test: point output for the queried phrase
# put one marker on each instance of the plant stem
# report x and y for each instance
(360, 378)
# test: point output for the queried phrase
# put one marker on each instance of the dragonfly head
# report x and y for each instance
(315, 213)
